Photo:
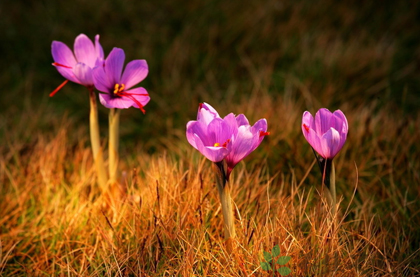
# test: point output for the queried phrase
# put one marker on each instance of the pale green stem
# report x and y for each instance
(95, 141)
(114, 126)
(226, 201)
(333, 208)
(332, 188)
(329, 179)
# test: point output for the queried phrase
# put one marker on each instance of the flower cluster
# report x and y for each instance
(224, 141)
(88, 67)
(230, 138)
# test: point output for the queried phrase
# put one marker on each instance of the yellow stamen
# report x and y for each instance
(216, 144)
(118, 88)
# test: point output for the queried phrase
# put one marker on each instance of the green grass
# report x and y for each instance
(267, 59)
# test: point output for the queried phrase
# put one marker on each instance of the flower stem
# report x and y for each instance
(114, 126)
(333, 213)
(328, 177)
(226, 201)
(332, 189)
(95, 140)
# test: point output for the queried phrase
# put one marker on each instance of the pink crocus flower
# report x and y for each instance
(116, 85)
(230, 138)
(210, 134)
(77, 67)
(246, 138)
(326, 133)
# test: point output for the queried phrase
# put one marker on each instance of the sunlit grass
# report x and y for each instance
(165, 219)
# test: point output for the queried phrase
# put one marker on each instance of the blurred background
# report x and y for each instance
(316, 53)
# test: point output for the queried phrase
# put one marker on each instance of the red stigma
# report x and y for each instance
(58, 88)
(262, 133)
(225, 144)
(61, 65)
(306, 127)
(130, 95)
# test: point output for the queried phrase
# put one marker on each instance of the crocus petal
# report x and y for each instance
(83, 73)
(114, 65)
(84, 50)
(197, 129)
(259, 126)
(330, 143)
(140, 95)
(214, 154)
(308, 128)
(342, 126)
(67, 73)
(206, 116)
(323, 121)
(119, 103)
(99, 62)
(190, 132)
(206, 113)
(134, 73)
(308, 120)
(209, 108)
(63, 56)
(313, 139)
(231, 124)
(101, 81)
(242, 120)
(245, 142)
(216, 132)
(98, 48)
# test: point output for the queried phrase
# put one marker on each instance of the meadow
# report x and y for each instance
(270, 59)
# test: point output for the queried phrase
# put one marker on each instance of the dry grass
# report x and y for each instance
(55, 221)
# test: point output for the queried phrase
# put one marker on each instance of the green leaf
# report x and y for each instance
(276, 250)
(284, 271)
(265, 266)
(267, 257)
(283, 260)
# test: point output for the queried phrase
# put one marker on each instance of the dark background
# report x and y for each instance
(211, 51)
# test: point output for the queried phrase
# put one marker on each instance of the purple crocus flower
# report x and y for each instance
(230, 139)
(116, 85)
(246, 139)
(326, 133)
(77, 67)
(210, 134)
